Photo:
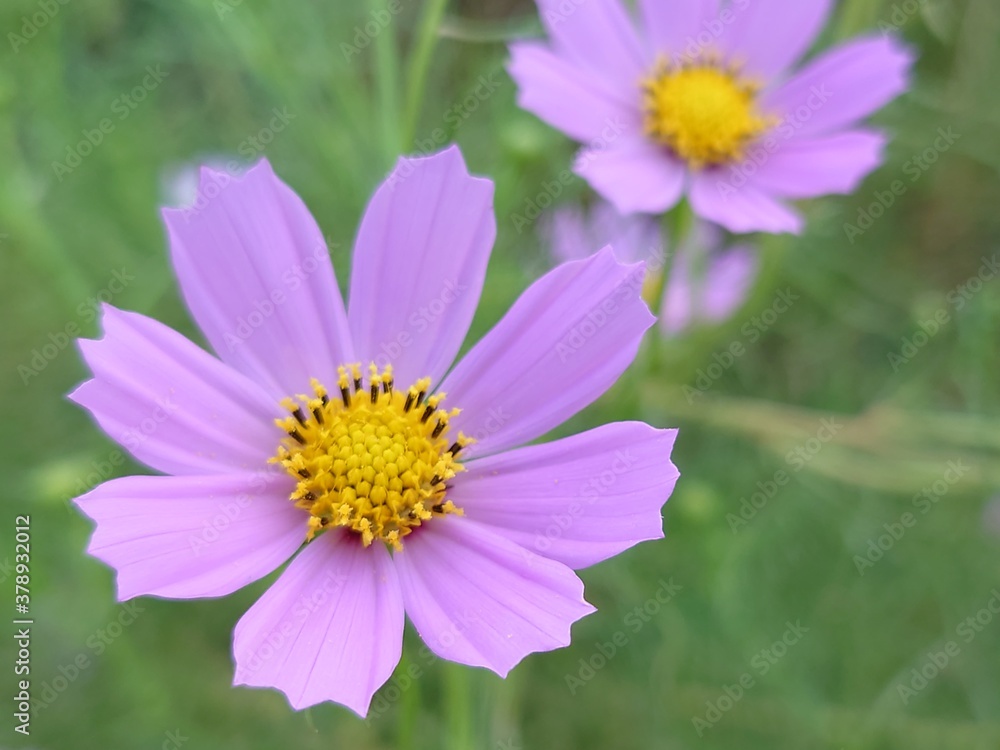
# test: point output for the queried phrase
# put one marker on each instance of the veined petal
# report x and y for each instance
(561, 345)
(479, 599)
(255, 272)
(189, 537)
(578, 500)
(567, 96)
(329, 629)
(419, 265)
(841, 86)
(172, 405)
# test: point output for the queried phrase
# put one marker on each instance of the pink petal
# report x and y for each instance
(771, 35)
(172, 405)
(256, 274)
(189, 537)
(675, 28)
(479, 599)
(809, 167)
(598, 35)
(634, 174)
(561, 345)
(568, 96)
(419, 265)
(841, 87)
(578, 500)
(741, 209)
(329, 629)
(679, 293)
(728, 279)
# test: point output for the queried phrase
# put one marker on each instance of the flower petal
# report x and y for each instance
(728, 279)
(842, 86)
(673, 27)
(172, 405)
(809, 167)
(598, 35)
(636, 175)
(189, 537)
(419, 265)
(678, 309)
(329, 629)
(561, 345)
(255, 272)
(740, 210)
(479, 599)
(578, 500)
(567, 96)
(771, 35)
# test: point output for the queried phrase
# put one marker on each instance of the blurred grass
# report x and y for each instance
(228, 66)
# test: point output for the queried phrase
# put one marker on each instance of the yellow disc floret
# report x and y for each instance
(706, 113)
(370, 458)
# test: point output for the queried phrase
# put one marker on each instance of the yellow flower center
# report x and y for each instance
(706, 113)
(372, 459)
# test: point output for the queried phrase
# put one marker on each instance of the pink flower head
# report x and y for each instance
(708, 281)
(700, 98)
(330, 424)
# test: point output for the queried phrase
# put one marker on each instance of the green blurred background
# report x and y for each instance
(163, 678)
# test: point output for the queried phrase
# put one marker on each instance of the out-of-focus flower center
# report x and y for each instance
(370, 458)
(705, 112)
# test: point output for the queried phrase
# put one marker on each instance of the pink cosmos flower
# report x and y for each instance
(700, 98)
(709, 280)
(320, 423)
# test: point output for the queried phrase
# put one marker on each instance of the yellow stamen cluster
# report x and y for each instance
(705, 112)
(370, 458)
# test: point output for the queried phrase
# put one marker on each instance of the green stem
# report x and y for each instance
(387, 87)
(420, 61)
(410, 709)
(459, 706)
